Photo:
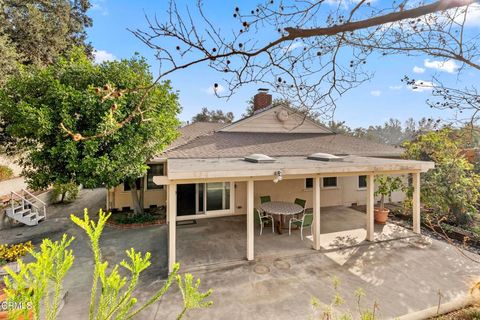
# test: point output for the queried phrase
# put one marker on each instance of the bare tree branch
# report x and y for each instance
(319, 53)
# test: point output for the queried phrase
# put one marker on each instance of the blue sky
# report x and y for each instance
(374, 102)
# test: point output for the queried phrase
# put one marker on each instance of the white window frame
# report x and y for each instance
(358, 183)
(214, 212)
(330, 187)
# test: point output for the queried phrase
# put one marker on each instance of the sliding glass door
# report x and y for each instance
(214, 197)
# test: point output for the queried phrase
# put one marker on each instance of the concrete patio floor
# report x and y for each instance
(224, 240)
(403, 275)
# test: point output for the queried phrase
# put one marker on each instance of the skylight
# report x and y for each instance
(259, 158)
(325, 157)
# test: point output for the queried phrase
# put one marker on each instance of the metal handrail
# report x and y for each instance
(33, 196)
(37, 199)
(24, 200)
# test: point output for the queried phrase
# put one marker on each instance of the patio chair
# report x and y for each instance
(306, 221)
(264, 199)
(302, 203)
(263, 219)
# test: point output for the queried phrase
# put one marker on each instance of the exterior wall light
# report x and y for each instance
(277, 176)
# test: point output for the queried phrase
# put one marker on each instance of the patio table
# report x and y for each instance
(281, 209)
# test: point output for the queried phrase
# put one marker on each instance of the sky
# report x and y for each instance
(374, 102)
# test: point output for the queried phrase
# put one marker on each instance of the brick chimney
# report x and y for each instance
(261, 100)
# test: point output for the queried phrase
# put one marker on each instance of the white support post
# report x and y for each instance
(416, 202)
(370, 207)
(172, 225)
(316, 213)
(250, 221)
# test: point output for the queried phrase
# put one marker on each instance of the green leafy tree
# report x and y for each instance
(451, 189)
(39, 283)
(43, 30)
(90, 100)
(9, 58)
(213, 116)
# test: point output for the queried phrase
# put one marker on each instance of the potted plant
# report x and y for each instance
(386, 185)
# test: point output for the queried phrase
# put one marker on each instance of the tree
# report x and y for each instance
(42, 30)
(314, 52)
(465, 102)
(91, 99)
(9, 58)
(451, 189)
(213, 116)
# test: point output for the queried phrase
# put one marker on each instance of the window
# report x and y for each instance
(309, 183)
(154, 170)
(138, 184)
(330, 182)
(362, 182)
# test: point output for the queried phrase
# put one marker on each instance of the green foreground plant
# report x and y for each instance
(38, 284)
(327, 312)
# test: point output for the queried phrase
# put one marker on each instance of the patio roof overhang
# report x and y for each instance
(179, 170)
(237, 169)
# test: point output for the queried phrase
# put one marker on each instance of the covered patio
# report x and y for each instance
(223, 241)
(205, 241)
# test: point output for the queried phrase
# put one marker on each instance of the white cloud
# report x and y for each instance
(293, 46)
(212, 89)
(449, 66)
(398, 87)
(473, 15)
(418, 69)
(99, 5)
(421, 86)
(376, 93)
(102, 56)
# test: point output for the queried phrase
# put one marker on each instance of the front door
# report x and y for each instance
(186, 199)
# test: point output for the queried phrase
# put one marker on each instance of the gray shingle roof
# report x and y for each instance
(240, 144)
(193, 131)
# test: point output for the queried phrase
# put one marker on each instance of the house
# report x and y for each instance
(215, 170)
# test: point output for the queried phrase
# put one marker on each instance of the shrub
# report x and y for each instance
(10, 253)
(142, 218)
(452, 188)
(5, 173)
(64, 192)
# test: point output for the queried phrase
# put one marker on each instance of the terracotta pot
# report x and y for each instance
(381, 216)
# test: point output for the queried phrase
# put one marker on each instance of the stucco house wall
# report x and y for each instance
(346, 193)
